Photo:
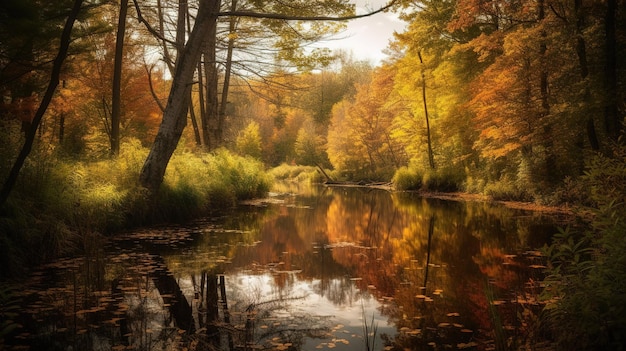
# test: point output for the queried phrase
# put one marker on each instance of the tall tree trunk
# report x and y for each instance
(431, 158)
(194, 121)
(581, 52)
(183, 13)
(175, 115)
(62, 121)
(548, 129)
(116, 99)
(210, 70)
(611, 113)
(227, 71)
(204, 120)
(64, 45)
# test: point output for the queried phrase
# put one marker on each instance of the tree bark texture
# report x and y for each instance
(210, 70)
(227, 71)
(431, 158)
(175, 114)
(116, 100)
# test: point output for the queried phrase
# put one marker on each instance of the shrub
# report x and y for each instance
(297, 173)
(586, 283)
(446, 179)
(507, 190)
(196, 183)
(407, 179)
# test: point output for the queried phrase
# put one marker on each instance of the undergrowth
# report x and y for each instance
(297, 173)
(586, 282)
(58, 200)
(444, 179)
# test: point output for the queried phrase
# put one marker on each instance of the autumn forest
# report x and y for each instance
(123, 113)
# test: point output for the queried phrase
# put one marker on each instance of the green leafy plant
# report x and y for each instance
(585, 289)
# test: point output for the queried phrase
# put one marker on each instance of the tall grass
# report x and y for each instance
(59, 201)
(301, 174)
(445, 179)
(369, 331)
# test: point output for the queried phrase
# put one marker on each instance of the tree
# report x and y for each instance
(174, 115)
(249, 141)
(431, 159)
(366, 123)
(248, 39)
(169, 134)
(117, 78)
(430, 58)
(309, 148)
(54, 82)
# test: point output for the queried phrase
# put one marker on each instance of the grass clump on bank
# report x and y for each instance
(200, 182)
(297, 173)
(446, 179)
(60, 201)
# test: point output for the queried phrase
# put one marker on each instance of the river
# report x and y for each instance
(308, 268)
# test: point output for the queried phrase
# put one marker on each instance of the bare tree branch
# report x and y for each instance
(285, 17)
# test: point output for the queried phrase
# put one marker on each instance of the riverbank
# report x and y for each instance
(565, 209)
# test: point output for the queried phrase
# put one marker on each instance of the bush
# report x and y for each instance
(196, 183)
(297, 173)
(586, 283)
(441, 179)
(407, 179)
(507, 190)
(446, 179)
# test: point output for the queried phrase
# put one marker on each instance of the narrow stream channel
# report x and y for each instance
(309, 268)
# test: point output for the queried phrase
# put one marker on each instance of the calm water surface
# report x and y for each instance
(308, 268)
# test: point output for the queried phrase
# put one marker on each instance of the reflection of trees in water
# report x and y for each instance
(262, 320)
(98, 303)
(343, 244)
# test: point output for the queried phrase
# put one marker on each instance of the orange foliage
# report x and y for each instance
(20, 108)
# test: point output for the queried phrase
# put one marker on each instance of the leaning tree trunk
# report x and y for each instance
(116, 100)
(175, 114)
(66, 38)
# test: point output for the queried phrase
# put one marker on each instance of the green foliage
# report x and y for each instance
(407, 179)
(249, 141)
(586, 282)
(570, 192)
(196, 183)
(446, 179)
(414, 178)
(245, 176)
(309, 147)
(507, 190)
(59, 202)
(301, 174)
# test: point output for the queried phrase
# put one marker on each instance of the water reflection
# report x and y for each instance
(340, 268)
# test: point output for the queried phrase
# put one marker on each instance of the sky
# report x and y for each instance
(367, 37)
